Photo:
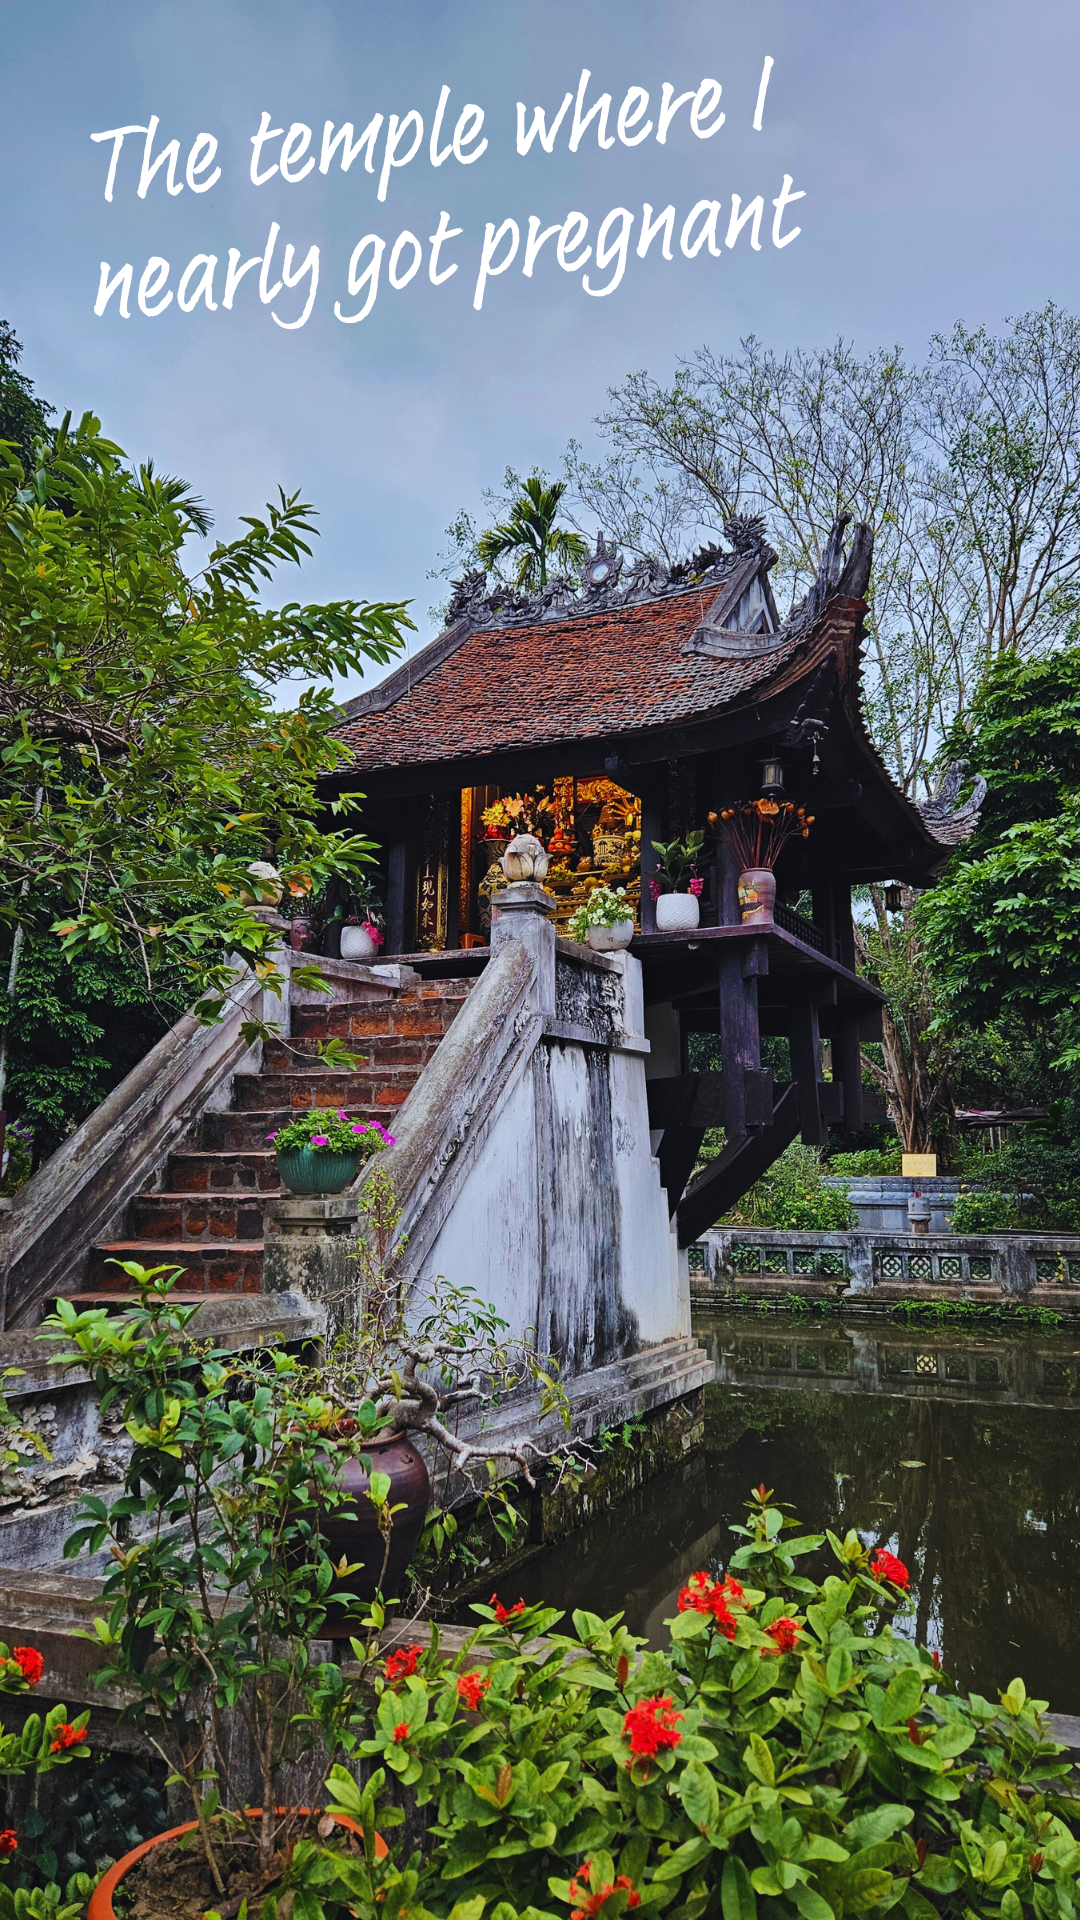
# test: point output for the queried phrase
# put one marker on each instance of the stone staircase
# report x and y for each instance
(207, 1216)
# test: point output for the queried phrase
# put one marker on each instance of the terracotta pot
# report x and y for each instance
(677, 913)
(101, 1900)
(357, 944)
(299, 932)
(306, 1170)
(757, 893)
(610, 939)
(359, 1538)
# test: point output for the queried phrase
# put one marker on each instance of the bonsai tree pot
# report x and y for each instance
(101, 1900)
(352, 1531)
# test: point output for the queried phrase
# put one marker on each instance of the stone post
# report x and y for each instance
(524, 911)
(275, 1012)
(308, 1249)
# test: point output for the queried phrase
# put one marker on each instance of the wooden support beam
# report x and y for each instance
(740, 1164)
(805, 1041)
(847, 1067)
(843, 926)
(395, 897)
(652, 829)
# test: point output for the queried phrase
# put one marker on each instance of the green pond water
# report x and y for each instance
(957, 1451)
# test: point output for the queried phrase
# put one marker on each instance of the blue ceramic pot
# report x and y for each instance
(309, 1170)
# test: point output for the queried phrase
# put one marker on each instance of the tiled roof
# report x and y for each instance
(624, 670)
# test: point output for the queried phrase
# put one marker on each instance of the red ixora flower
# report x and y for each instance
(402, 1662)
(9, 1842)
(503, 1614)
(703, 1594)
(472, 1688)
(785, 1632)
(31, 1663)
(67, 1736)
(591, 1903)
(650, 1726)
(886, 1566)
(401, 1732)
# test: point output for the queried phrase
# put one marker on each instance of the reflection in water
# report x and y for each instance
(986, 1512)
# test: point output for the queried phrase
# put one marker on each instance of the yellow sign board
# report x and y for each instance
(919, 1166)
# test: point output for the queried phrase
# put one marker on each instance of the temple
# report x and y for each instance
(631, 708)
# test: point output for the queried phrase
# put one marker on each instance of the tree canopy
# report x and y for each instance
(144, 762)
(1003, 925)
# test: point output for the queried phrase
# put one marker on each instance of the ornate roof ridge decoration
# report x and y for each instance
(948, 822)
(607, 581)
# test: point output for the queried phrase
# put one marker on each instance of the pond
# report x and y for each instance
(958, 1451)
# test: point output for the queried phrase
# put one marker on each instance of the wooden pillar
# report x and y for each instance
(728, 911)
(652, 787)
(395, 897)
(847, 1068)
(805, 1040)
(823, 896)
(842, 924)
(740, 1033)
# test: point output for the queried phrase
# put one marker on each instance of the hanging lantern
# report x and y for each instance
(772, 777)
(894, 898)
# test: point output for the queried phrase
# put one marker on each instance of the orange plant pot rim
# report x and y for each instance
(101, 1906)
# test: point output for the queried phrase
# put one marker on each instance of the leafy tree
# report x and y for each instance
(530, 535)
(1003, 926)
(143, 762)
(24, 418)
(968, 467)
(75, 1028)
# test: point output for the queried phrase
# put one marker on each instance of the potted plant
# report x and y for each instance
(218, 1586)
(678, 911)
(363, 929)
(757, 831)
(321, 1150)
(605, 921)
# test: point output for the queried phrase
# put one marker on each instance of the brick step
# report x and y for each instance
(240, 1133)
(386, 1087)
(375, 1051)
(405, 1017)
(199, 1170)
(206, 1218)
(233, 1266)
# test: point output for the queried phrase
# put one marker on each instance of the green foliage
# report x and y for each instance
(984, 1212)
(867, 1162)
(220, 1569)
(679, 858)
(605, 907)
(145, 761)
(24, 418)
(982, 1313)
(50, 1902)
(75, 1028)
(1003, 926)
(325, 1130)
(792, 1195)
(529, 535)
(788, 1753)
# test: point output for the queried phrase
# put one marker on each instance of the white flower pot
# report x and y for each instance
(610, 939)
(677, 912)
(357, 944)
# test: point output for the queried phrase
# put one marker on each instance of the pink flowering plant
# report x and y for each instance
(790, 1754)
(331, 1130)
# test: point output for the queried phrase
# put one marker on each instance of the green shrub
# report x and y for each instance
(792, 1195)
(867, 1162)
(789, 1754)
(985, 1212)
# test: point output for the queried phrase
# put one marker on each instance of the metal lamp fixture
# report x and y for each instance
(772, 776)
(894, 898)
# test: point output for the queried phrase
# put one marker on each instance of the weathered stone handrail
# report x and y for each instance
(79, 1193)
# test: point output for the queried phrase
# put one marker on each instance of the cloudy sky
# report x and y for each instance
(935, 143)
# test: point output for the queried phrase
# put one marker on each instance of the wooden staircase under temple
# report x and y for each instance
(207, 1216)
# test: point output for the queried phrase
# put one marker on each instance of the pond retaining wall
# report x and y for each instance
(872, 1272)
